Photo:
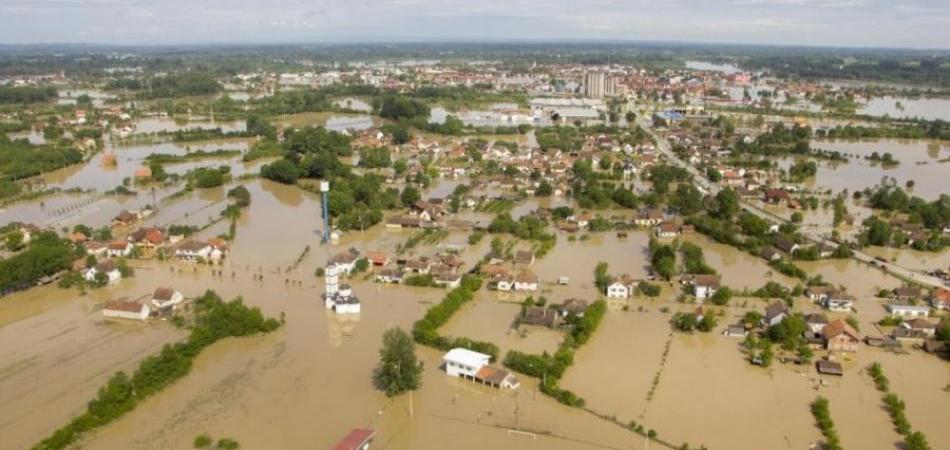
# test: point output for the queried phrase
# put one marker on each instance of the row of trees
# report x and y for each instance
(214, 320)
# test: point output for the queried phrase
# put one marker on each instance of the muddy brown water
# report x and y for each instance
(308, 383)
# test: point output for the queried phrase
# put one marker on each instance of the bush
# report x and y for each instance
(203, 441)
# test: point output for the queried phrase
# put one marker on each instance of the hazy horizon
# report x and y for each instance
(919, 24)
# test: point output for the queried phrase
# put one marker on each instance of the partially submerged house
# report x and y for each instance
(704, 285)
(621, 287)
(775, 314)
(908, 311)
(166, 298)
(540, 316)
(471, 365)
(126, 310)
(841, 337)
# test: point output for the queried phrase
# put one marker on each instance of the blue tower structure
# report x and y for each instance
(325, 190)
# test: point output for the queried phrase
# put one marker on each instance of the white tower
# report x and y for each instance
(332, 280)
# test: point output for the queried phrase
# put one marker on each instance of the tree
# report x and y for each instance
(410, 195)
(916, 441)
(688, 200)
(398, 369)
(281, 171)
(544, 189)
(727, 204)
(601, 277)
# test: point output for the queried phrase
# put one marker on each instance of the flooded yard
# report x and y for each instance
(489, 318)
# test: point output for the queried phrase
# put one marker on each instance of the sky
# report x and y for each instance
(889, 23)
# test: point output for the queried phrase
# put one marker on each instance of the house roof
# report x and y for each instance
(523, 257)
(574, 305)
(775, 309)
(466, 357)
(839, 327)
(192, 245)
(705, 280)
(920, 324)
(492, 375)
(526, 276)
(355, 439)
(118, 245)
(816, 319)
(163, 293)
(105, 266)
(537, 315)
(123, 305)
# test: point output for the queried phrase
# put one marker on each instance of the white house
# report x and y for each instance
(621, 287)
(461, 362)
(448, 279)
(126, 310)
(106, 267)
(910, 311)
(704, 286)
(526, 281)
(345, 261)
(166, 297)
(503, 282)
(464, 363)
(119, 249)
(839, 303)
(775, 314)
(338, 297)
(192, 250)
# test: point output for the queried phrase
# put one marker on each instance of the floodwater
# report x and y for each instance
(94, 175)
(354, 104)
(578, 259)
(920, 161)
(903, 107)
(157, 124)
(333, 121)
(491, 317)
(483, 118)
(708, 393)
(309, 382)
(913, 259)
(70, 96)
(739, 269)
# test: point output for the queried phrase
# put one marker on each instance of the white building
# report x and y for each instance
(119, 249)
(839, 303)
(468, 364)
(704, 286)
(339, 298)
(126, 310)
(193, 251)
(107, 267)
(526, 281)
(464, 362)
(621, 287)
(908, 311)
(166, 297)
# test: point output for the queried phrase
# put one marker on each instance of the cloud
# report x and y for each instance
(813, 22)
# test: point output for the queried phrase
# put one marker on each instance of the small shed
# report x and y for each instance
(826, 367)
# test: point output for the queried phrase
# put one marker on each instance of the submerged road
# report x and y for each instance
(664, 147)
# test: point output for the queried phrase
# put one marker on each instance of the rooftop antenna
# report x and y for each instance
(325, 190)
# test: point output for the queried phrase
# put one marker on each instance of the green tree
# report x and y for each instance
(410, 195)
(398, 369)
(727, 204)
(281, 171)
